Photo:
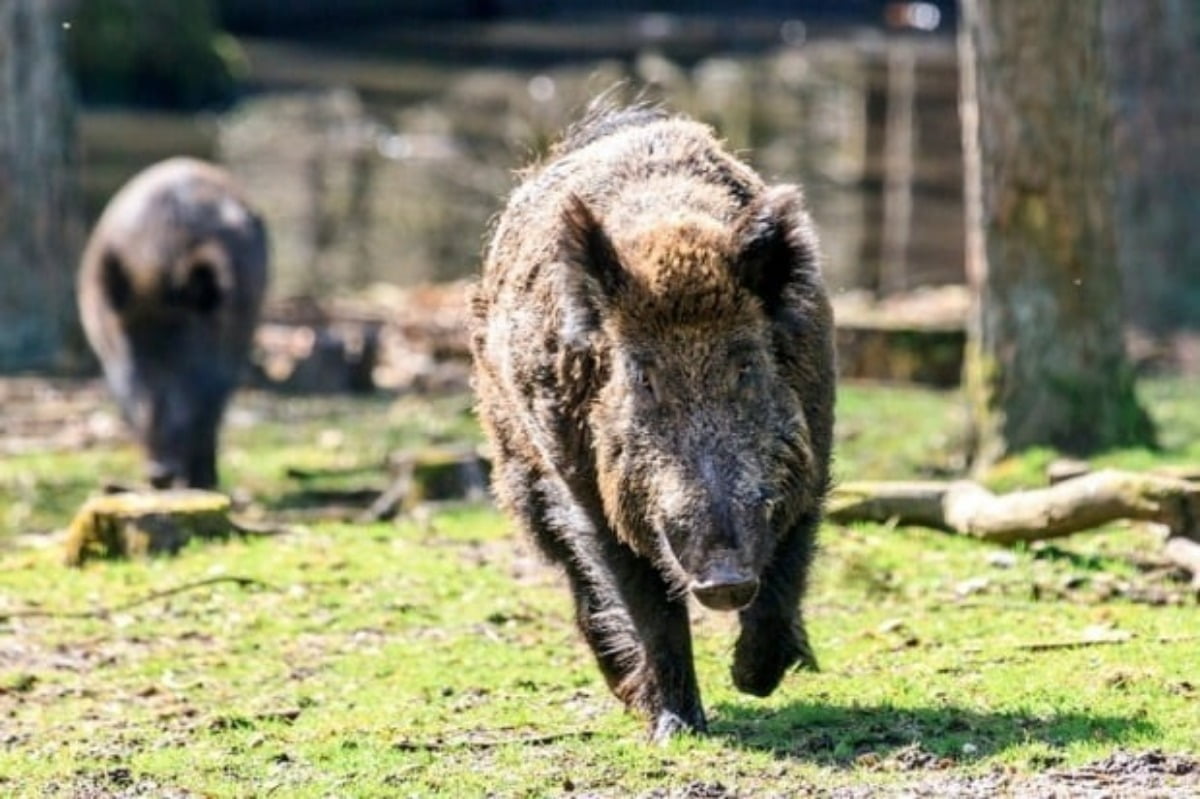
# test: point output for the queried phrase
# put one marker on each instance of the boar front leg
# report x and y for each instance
(773, 635)
(663, 686)
(202, 466)
(638, 633)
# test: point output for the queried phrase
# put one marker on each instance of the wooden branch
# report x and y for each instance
(491, 742)
(1109, 639)
(1076, 504)
(106, 612)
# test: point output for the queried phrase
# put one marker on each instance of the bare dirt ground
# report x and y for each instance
(1147, 775)
(1123, 775)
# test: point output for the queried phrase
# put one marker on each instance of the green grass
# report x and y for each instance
(438, 657)
(265, 435)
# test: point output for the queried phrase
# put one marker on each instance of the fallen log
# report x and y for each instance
(1070, 506)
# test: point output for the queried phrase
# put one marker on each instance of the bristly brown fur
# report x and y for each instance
(654, 366)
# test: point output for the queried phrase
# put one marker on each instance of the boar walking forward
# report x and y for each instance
(169, 291)
(654, 363)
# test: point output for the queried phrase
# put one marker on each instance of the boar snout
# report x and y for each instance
(725, 585)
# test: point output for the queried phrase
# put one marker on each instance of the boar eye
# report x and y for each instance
(644, 381)
(747, 377)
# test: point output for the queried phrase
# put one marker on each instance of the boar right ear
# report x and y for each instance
(114, 282)
(586, 244)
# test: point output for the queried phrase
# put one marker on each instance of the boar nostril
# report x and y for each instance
(726, 594)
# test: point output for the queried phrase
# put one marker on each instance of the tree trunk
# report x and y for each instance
(1152, 57)
(40, 228)
(1045, 363)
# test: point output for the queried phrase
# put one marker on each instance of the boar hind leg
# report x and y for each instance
(773, 637)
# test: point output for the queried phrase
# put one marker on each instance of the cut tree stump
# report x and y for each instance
(1070, 506)
(133, 524)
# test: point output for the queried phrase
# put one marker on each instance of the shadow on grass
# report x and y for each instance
(834, 735)
(349, 501)
(1090, 562)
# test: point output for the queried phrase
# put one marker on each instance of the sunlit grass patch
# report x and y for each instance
(437, 656)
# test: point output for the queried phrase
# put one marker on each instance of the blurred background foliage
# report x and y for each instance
(170, 55)
(184, 54)
(378, 136)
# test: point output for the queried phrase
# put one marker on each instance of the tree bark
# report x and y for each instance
(1045, 361)
(1153, 56)
(40, 225)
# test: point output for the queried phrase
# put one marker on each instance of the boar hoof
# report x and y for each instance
(760, 660)
(161, 475)
(668, 725)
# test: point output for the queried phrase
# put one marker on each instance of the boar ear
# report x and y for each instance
(114, 282)
(776, 246)
(201, 291)
(586, 244)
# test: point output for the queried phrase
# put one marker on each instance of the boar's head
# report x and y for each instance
(703, 452)
(179, 359)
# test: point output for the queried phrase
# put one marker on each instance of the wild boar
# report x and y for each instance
(654, 366)
(169, 291)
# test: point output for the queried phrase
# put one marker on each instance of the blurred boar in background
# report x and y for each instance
(169, 290)
(654, 363)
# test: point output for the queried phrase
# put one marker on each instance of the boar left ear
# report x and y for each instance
(586, 244)
(114, 281)
(776, 246)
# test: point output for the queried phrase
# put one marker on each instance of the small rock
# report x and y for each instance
(975, 585)
(1002, 559)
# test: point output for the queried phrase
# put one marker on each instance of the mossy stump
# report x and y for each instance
(138, 524)
(431, 475)
(445, 474)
